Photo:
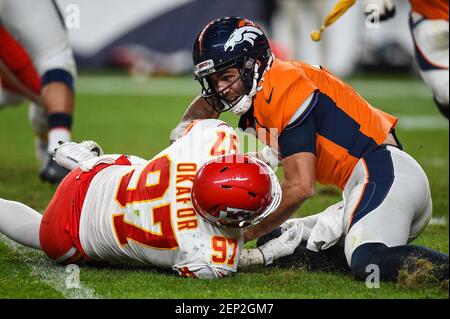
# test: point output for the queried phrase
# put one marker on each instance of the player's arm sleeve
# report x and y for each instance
(202, 272)
(112, 159)
(297, 137)
(136, 160)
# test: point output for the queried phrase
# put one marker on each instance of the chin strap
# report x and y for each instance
(269, 65)
(247, 100)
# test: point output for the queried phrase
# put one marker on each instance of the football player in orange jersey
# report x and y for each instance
(325, 132)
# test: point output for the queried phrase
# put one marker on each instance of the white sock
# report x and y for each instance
(20, 223)
(55, 135)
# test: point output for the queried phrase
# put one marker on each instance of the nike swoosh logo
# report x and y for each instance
(270, 97)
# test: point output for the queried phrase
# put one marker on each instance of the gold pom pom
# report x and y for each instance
(315, 35)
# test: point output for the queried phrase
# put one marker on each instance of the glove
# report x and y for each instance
(308, 223)
(71, 154)
(290, 223)
(268, 155)
(283, 245)
(381, 9)
(93, 147)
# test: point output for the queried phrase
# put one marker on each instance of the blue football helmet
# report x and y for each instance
(231, 42)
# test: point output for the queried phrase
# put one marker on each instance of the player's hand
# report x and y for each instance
(71, 154)
(290, 223)
(268, 155)
(282, 246)
(92, 147)
(380, 10)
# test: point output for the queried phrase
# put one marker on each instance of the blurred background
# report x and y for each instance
(155, 37)
(135, 81)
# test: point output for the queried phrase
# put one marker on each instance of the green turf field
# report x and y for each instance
(135, 117)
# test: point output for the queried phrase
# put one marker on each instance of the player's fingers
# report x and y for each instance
(296, 234)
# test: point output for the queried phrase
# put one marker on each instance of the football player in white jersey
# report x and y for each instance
(38, 27)
(185, 209)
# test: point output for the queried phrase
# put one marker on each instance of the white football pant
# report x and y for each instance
(387, 200)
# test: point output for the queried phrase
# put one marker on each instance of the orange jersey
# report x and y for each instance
(346, 124)
(431, 9)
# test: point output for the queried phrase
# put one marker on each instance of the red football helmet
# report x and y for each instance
(235, 191)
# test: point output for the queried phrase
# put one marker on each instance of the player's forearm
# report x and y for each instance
(199, 109)
(293, 196)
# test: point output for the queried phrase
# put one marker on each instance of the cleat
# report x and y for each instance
(52, 172)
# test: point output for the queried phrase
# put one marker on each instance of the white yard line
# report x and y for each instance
(391, 88)
(438, 221)
(121, 85)
(422, 122)
(45, 269)
(185, 85)
(436, 162)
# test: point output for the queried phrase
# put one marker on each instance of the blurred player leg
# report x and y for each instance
(432, 54)
(388, 204)
(8, 98)
(28, 21)
(20, 223)
(17, 62)
(37, 117)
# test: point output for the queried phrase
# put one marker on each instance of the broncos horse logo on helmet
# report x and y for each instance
(225, 43)
(246, 33)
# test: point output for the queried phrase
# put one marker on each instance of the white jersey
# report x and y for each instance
(144, 212)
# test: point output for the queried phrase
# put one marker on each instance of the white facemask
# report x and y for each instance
(276, 194)
(246, 101)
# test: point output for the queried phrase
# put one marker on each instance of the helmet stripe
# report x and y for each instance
(244, 22)
(200, 37)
